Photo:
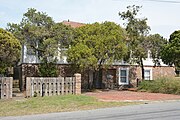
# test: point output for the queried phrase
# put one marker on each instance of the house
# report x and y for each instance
(29, 61)
(120, 73)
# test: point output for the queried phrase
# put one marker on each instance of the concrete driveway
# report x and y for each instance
(113, 95)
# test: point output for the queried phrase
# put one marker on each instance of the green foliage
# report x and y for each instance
(37, 30)
(63, 34)
(161, 85)
(155, 44)
(81, 55)
(97, 45)
(48, 69)
(42, 36)
(171, 51)
(34, 31)
(139, 42)
(137, 30)
(136, 27)
(10, 49)
(33, 26)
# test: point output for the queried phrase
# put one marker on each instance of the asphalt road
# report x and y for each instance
(152, 111)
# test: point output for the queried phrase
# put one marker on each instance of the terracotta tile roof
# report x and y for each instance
(73, 24)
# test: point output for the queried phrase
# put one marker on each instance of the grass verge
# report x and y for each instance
(51, 104)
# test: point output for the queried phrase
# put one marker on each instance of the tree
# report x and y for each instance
(171, 51)
(139, 43)
(155, 44)
(137, 30)
(10, 49)
(42, 36)
(96, 46)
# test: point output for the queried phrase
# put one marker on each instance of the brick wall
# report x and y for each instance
(31, 70)
(87, 76)
(163, 72)
(157, 71)
(27, 70)
(135, 72)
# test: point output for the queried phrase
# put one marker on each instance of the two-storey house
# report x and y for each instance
(120, 73)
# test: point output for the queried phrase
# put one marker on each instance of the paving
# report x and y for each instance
(113, 95)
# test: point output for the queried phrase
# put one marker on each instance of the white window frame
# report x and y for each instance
(127, 76)
(150, 69)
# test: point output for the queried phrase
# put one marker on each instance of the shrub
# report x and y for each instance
(48, 69)
(161, 85)
(10, 49)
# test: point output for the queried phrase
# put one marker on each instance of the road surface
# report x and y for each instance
(151, 111)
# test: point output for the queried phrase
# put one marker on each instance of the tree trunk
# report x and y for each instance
(97, 78)
(100, 78)
(90, 80)
(142, 68)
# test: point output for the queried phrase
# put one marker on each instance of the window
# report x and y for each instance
(62, 55)
(30, 50)
(149, 56)
(123, 76)
(148, 74)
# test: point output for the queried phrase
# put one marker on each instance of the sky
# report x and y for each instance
(163, 17)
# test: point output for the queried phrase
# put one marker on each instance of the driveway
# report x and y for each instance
(131, 96)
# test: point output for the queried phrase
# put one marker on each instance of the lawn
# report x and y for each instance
(38, 105)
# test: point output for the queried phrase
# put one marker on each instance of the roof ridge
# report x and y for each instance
(73, 23)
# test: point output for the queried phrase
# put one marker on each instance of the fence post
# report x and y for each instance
(10, 87)
(28, 87)
(77, 83)
(6, 87)
(1, 88)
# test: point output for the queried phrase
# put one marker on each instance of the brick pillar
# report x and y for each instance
(77, 83)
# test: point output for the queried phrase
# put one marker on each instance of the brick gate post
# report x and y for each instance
(77, 83)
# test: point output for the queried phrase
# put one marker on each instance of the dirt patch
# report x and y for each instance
(132, 96)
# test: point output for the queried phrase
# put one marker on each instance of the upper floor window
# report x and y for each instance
(30, 50)
(149, 56)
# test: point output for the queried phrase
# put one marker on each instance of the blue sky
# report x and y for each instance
(163, 17)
